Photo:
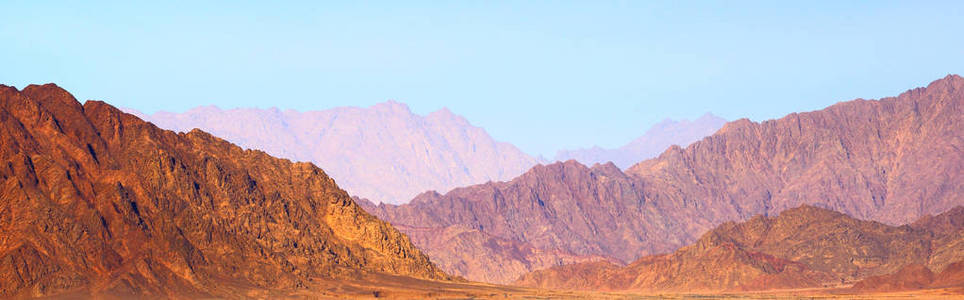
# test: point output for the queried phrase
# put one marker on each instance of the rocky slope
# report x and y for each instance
(384, 153)
(804, 247)
(891, 160)
(98, 202)
(649, 145)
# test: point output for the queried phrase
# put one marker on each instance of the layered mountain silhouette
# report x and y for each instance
(804, 247)
(649, 145)
(98, 202)
(891, 160)
(384, 153)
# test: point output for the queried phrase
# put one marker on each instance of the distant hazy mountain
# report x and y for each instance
(649, 145)
(384, 152)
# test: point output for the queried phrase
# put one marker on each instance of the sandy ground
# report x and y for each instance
(393, 287)
(396, 287)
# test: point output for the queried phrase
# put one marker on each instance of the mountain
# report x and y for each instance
(565, 210)
(479, 255)
(803, 247)
(97, 202)
(384, 152)
(891, 160)
(649, 145)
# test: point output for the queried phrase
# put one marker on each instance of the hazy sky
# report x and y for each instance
(541, 75)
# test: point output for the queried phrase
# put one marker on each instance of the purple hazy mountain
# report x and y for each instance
(384, 152)
(649, 145)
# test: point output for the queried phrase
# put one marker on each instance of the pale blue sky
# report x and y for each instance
(541, 75)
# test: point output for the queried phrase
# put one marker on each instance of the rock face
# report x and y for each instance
(891, 160)
(649, 145)
(804, 247)
(384, 153)
(98, 202)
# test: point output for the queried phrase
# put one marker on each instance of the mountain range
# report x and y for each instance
(96, 202)
(386, 153)
(650, 144)
(891, 160)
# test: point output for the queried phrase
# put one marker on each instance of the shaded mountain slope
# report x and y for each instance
(98, 202)
(891, 160)
(563, 208)
(384, 152)
(804, 247)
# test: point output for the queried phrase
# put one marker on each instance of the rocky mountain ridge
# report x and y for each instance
(96, 202)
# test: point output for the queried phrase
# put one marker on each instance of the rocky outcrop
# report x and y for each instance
(891, 160)
(649, 145)
(804, 247)
(95, 201)
(384, 153)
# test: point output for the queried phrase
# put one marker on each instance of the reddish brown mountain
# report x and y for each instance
(915, 277)
(910, 277)
(804, 247)
(97, 202)
(950, 247)
(891, 160)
